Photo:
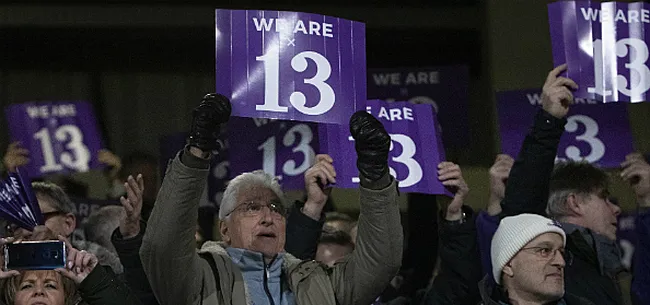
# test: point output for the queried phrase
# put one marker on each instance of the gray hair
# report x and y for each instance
(101, 223)
(244, 182)
(60, 199)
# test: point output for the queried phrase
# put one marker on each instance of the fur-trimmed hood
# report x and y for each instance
(105, 256)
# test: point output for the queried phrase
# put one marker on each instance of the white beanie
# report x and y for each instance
(514, 233)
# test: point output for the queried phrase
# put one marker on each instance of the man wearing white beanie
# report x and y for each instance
(528, 263)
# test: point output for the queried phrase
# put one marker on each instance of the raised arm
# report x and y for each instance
(176, 273)
(378, 252)
(527, 188)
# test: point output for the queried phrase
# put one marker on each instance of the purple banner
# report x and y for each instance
(443, 87)
(284, 149)
(170, 145)
(604, 46)
(18, 202)
(415, 148)
(595, 132)
(61, 137)
(290, 65)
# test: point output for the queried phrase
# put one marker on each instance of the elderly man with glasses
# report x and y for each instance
(250, 265)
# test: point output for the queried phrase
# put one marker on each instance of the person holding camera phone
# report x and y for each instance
(82, 281)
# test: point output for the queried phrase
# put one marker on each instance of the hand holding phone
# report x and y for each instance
(79, 262)
(5, 274)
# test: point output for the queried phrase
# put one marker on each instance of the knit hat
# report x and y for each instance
(514, 233)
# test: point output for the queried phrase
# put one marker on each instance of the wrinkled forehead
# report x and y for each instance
(257, 193)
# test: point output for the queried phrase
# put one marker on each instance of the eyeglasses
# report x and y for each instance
(11, 228)
(549, 253)
(254, 208)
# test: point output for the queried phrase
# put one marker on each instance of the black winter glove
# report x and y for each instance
(214, 110)
(372, 143)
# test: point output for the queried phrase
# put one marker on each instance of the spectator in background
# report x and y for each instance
(59, 214)
(528, 263)
(337, 221)
(101, 223)
(333, 247)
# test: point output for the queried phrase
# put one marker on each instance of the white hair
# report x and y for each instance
(244, 182)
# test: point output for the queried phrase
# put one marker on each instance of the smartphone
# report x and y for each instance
(35, 255)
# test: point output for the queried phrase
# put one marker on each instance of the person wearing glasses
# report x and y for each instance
(250, 265)
(59, 215)
(528, 260)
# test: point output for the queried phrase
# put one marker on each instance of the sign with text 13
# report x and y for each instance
(61, 136)
(596, 133)
(605, 47)
(283, 149)
(415, 150)
(443, 87)
(290, 65)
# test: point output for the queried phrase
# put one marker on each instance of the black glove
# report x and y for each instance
(372, 143)
(214, 110)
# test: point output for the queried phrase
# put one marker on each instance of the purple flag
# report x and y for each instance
(415, 148)
(290, 65)
(443, 87)
(595, 132)
(604, 46)
(171, 144)
(284, 149)
(60, 136)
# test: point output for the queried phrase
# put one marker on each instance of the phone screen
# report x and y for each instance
(35, 255)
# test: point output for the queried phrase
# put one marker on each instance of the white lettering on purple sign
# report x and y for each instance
(55, 111)
(393, 114)
(411, 78)
(536, 99)
(607, 15)
(283, 26)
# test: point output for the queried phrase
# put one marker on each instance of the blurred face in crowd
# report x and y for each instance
(536, 273)
(353, 233)
(598, 213)
(329, 254)
(337, 225)
(257, 223)
(58, 222)
(40, 288)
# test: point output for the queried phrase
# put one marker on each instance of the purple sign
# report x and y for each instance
(443, 87)
(18, 203)
(415, 148)
(170, 145)
(60, 136)
(595, 132)
(284, 149)
(290, 65)
(605, 47)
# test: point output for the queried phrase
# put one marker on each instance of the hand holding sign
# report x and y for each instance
(372, 144)
(556, 96)
(317, 181)
(452, 177)
(15, 156)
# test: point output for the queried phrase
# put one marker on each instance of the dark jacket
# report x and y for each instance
(641, 266)
(460, 265)
(493, 295)
(101, 287)
(129, 252)
(527, 192)
(303, 234)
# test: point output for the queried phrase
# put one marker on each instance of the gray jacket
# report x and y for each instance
(178, 275)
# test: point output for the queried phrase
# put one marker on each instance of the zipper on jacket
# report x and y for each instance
(266, 285)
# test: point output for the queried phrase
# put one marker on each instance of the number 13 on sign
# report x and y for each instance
(299, 63)
(414, 170)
